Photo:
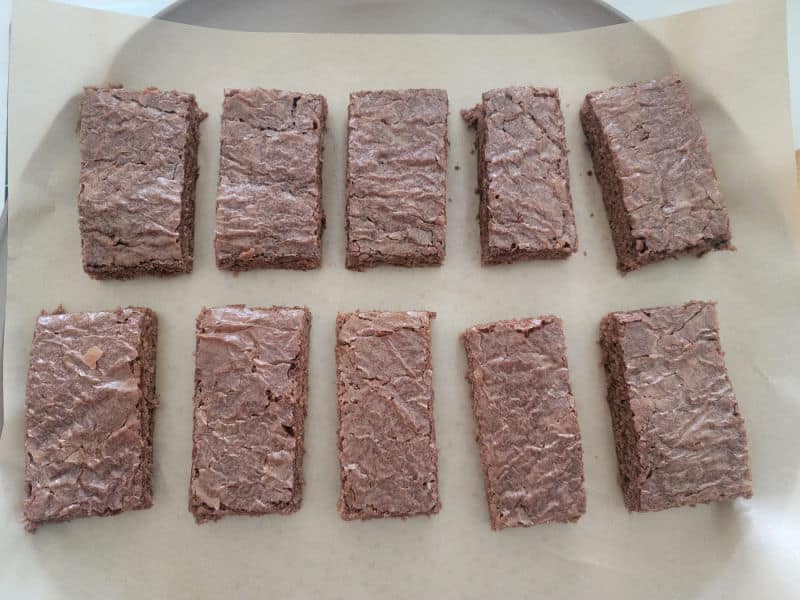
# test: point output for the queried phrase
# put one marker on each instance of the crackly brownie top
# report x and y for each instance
(685, 413)
(85, 436)
(269, 184)
(661, 157)
(387, 449)
(527, 427)
(248, 389)
(133, 148)
(397, 154)
(526, 170)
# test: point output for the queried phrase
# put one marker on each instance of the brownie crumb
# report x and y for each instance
(589, 172)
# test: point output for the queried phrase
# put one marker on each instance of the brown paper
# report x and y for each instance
(734, 60)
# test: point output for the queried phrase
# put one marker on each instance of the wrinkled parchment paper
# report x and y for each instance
(734, 60)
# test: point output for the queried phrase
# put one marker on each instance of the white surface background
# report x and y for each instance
(634, 9)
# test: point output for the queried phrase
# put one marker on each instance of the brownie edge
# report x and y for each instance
(679, 436)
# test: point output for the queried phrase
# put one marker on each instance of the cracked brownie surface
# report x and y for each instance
(396, 187)
(652, 161)
(679, 436)
(251, 390)
(89, 406)
(269, 197)
(527, 428)
(523, 176)
(387, 444)
(137, 181)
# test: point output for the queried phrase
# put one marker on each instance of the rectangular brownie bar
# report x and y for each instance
(269, 199)
(526, 206)
(527, 428)
(387, 443)
(680, 438)
(89, 408)
(396, 188)
(251, 390)
(652, 161)
(137, 180)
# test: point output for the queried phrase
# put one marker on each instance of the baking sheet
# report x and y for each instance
(734, 59)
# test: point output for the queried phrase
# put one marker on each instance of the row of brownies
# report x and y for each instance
(139, 169)
(91, 394)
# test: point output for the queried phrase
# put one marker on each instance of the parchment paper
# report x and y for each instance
(734, 60)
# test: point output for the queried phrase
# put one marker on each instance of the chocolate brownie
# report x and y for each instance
(89, 408)
(138, 174)
(527, 428)
(523, 172)
(652, 161)
(269, 199)
(251, 390)
(680, 438)
(396, 189)
(387, 444)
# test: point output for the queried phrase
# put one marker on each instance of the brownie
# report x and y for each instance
(396, 189)
(137, 181)
(269, 200)
(680, 438)
(527, 429)
(89, 406)
(251, 390)
(651, 158)
(523, 176)
(387, 444)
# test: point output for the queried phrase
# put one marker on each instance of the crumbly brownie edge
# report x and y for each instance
(611, 187)
(300, 412)
(190, 173)
(632, 473)
(149, 402)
